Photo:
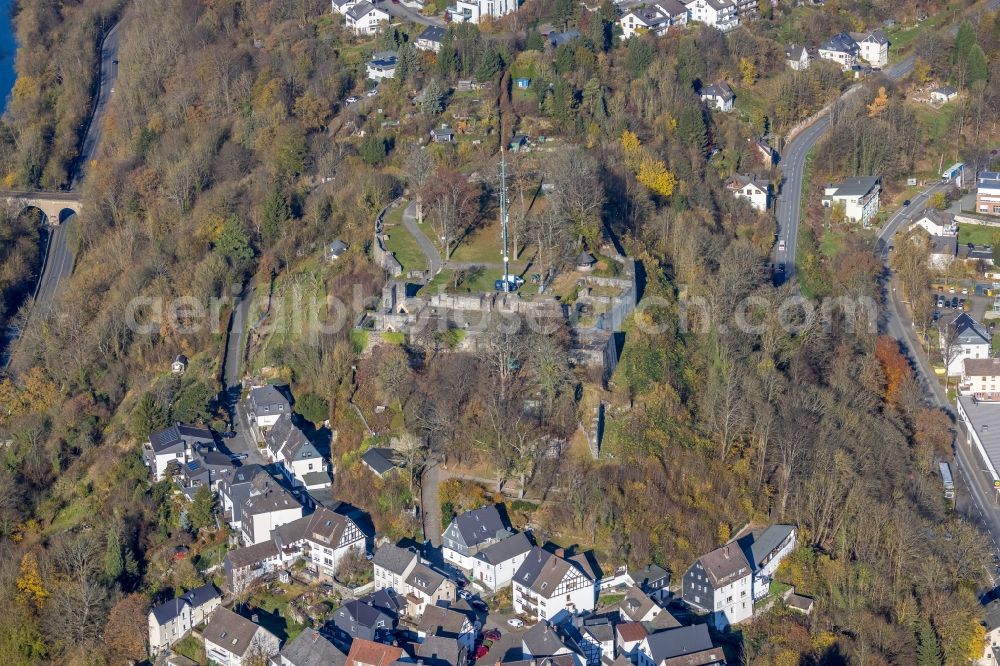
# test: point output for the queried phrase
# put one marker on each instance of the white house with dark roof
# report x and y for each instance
(447, 623)
(937, 222)
(690, 646)
(233, 640)
(719, 96)
(341, 6)
(270, 506)
(653, 17)
(944, 94)
(296, 456)
(988, 192)
(425, 587)
(323, 539)
(471, 531)
(264, 405)
(494, 566)
(873, 47)
(841, 49)
(382, 65)
(243, 566)
(764, 552)
(430, 39)
(721, 14)
(720, 583)
(364, 18)
(235, 488)
(380, 461)
(981, 379)
(542, 642)
(961, 338)
(168, 623)
(859, 196)
(548, 586)
(174, 445)
(392, 566)
(797, 57)
(751, 187)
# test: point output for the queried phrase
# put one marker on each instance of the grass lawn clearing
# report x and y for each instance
(980, 234)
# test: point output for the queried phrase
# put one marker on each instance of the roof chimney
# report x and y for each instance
(560, 552)
(725, 552)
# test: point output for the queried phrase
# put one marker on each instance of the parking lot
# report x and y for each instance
(508, 648)
(953, 300)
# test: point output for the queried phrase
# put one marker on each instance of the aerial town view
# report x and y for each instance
(500, 332)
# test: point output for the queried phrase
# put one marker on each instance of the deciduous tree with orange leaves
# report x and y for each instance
(895, 367)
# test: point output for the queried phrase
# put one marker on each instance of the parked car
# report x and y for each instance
(515, 622)
(482, 651)
(352, 100)
(940, 302)
(229, 434)
(954, 302)
(965, 291)
(781, 246)
(464, 594)
(906, 203)
(372, 92)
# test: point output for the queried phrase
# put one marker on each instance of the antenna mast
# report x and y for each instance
(503, 219)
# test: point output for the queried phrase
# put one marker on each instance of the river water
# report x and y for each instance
(8, 47)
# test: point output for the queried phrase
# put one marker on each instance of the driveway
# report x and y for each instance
(426, 246)
(404, 13)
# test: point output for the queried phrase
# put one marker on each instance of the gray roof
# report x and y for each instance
(432, 33)
(506, 549)
(841, 42)
(425, 579)
(337, 247)
(442, 622)
(285, 438)
(481, 525)
(250, 555)
(310, 649)
(178, 433)
(719, 4)
(379, 460)
(762, 546)
(394, 558)
(855, 186)
(652, 573)
(992, 618)
(988, 178)
(268, 400)
(800, 602)
(360, 10)
(363, 614)
(542, 641)
(982, 367)
(385, 600)
(725, 565)
(741, 180)
(231, 631)
(794, 52)
(936, 216)
(275, 498)
(984, 417)
(719, 89)
(945, 90)
(168, 610)
(635, 605)
(967, 331)
(201, 595)
(440, 650)
(322, 526)
(542, 572)
(876, 36)
(680, 642)
(585, 259)
(558, 38)
(945, 245)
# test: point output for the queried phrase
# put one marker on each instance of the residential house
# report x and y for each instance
(859, 195)
(557, 39)
(721, 14)
(357, 619)
(652, 579)
(988, 192)
(382, 65)
(547, 586)
(447, 623)
(310, 648)
(747, 9)
(937, 222)
(323, 539)
(943, 251)
(236, 488)
(542, 641)
(232, 640)
(719, 96)
(370, 653)
(494, 567)
(443, 134)
(296, 456)
(799, 603)
(595, 637)
(269, 508)
(629, 637)
(364, 18)
(962, 337)
(180, 364)
(430, 39)
(638, 607)
(873, 47)
(173, 447)
(653, 17)
(336, 250)
(754, 189)
(471, 531)
(768, 155)
(841, 49)
(765, 552)
(980, 379)
(797, 57)
(976, 252)
(244, 566)
(441, 651)
(474, 11)
(392, 566)
(265, 405)
(168, 623)
(991, 644)
(944, 94)
(425, 587)
(683, 646)
(380, 461)
(203, 601)
(720, 583)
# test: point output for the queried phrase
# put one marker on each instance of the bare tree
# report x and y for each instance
(452, 200)
(412, 452)
(578, 194)
(419, 170)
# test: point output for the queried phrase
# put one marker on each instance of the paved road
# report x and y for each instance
(404, 13)
(232, 380)
(108, 71)
(426, 246)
